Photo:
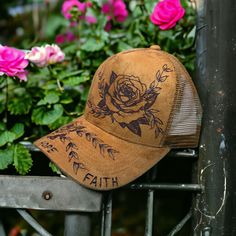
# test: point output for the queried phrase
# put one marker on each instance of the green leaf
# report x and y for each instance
(18, 130)
(54, 23)
(84, 94)
(70, 48)
(7, 137)
(46, 116)
(2, 126)
(51, 97)
(76, 80)
(22, 159)
(66, 100)
(60, 122)
(92, 45)
(20, 105)
(66, 74)
(54, 168)
(2, 101)
(6, 158)
(123, 46)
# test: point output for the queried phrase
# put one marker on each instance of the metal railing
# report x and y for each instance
(45, 193)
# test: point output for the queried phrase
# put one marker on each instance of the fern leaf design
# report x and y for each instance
(77, 166)
(70, 146)
(72, 154)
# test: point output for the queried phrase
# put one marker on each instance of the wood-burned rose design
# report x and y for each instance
(128, 101)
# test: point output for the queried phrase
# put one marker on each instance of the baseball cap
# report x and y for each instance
(141, 104)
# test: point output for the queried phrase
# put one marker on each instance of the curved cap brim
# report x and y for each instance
(95, 158)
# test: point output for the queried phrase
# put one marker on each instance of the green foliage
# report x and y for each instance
(20, 105)
(8, 136)
(21, 159)
(55, 95)
(54, 168)
(45, 115)
(6, 158)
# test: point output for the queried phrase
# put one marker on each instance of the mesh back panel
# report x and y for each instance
(184, 124)
(184, 120)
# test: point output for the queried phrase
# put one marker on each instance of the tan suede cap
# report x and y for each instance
(142, 103)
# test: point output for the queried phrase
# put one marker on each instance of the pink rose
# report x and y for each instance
(166, 13)
(115, 9)
(70, 36)
(120, 12)
(60, 38)
(69, 4)
(54, 54)
(38, 56)
(45, 55)
(67, 37)
(13, 62)
(81, 8)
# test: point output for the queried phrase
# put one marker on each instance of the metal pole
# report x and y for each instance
(107, 216)
(149, 214)
(33, 222)
(215, 211)
(181, 224)
(77, 224)
(2, 231)
(173, 187)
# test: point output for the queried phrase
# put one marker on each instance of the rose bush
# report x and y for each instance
(58, 79)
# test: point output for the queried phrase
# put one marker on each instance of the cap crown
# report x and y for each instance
(145, 96)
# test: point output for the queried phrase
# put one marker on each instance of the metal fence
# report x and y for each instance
(45, 193)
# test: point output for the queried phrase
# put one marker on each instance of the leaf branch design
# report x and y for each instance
(77, 166)
(154, 121)
(161, 76)
(71, 148)
(96, 142)
(97, 111)
(49, 147)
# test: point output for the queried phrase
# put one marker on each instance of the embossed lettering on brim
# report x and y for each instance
(142, 102)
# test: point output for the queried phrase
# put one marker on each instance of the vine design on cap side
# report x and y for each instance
(128, 101)
(81, 131)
